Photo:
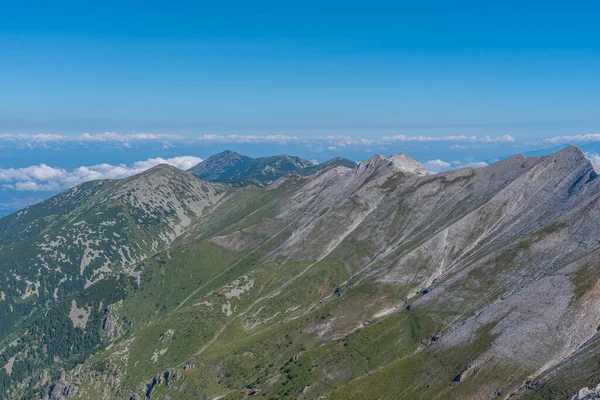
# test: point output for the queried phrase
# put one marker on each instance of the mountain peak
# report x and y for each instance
(224, 156)
(162, 166)
(572, 155)
(399, 162)
(160, 169)
(572, 150)
(377, 158)
(218, 164)
(229, 153)
(407, 164)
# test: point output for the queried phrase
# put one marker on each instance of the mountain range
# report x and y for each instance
(234, 168)
(279, 278)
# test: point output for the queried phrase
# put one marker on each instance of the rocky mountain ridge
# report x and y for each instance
(375, 281)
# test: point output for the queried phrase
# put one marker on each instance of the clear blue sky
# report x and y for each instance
(529, 69)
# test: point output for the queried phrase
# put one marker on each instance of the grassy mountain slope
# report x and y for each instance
(89, 237)
(378, 281)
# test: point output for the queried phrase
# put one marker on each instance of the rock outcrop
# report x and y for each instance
(587, 394)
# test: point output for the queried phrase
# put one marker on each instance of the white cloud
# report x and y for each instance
(249, 138)
(421, 138)
(338, 141)
(441, 165)
(109, 137)
(37, 187)
(593, 157)
(589, 137)
(115, 137)
(437, 165)
(45, 178)
(504, 138)
(474, 164)
(41, 137)
(166, 140)
(183, 162)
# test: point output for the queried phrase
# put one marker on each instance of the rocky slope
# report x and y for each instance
(86, 232)
(234, 168)
(376, 281)
(87, 237)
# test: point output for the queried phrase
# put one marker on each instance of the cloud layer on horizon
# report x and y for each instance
(46, 178)
(42, 177)
(584, 138)
(438, 165)
(332, 140)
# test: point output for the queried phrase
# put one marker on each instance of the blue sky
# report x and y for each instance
(457, 83)
(306, 68)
